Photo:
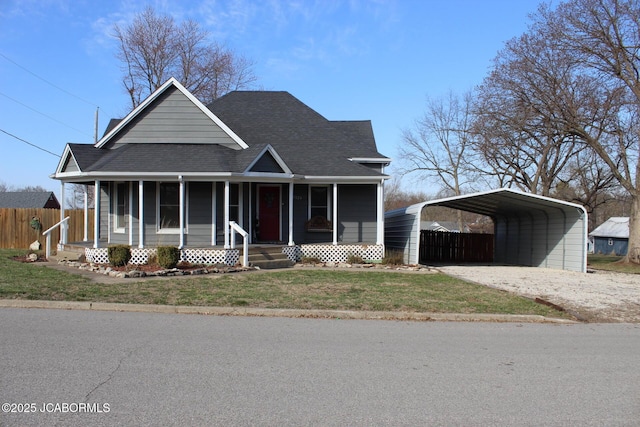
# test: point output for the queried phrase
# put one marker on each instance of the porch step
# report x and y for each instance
(66, 255)
(268, 258)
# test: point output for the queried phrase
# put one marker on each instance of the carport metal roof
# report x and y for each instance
(533, 215)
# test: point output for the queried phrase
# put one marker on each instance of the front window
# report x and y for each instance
(169, 205)
(122, 206)
(234, 203)
(319, 202)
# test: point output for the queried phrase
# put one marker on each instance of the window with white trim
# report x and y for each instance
(234, 203)
(319, 201)
(121, 207)
(168, 206)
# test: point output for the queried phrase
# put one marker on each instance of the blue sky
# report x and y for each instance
(348, 60)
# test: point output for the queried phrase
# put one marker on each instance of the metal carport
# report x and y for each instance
(529, 230)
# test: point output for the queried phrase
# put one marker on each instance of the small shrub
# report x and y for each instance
(152, 259)
(393, 257)
(355, 259)
(168, 256)
(310, 260)
(118, 255)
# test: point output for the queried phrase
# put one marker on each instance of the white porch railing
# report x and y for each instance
(245, 241)
(63, 235)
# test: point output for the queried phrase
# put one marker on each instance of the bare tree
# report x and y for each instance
(31, 189)
(440, 145)
(589, 182)
(603, 37)
(75, 200)
(395, 197)
(154, 48)
(516, 108)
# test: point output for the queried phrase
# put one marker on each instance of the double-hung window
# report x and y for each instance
(319, 202)
(169, 206)
(122, 207)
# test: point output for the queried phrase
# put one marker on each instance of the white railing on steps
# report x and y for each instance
(245, 241)
(63, 235)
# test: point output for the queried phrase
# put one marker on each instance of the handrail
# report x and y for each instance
(63, 237)
(245, 241)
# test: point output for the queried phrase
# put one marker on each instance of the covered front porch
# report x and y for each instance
(327, 221)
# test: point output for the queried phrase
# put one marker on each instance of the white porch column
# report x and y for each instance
(181, 212)
(227, 190)
(96, 214)
(291, 242)
(63, 235)
(214, 205)
(335, 213)
(141, 214)
(380, 206)
(130, 213)
(85, 238)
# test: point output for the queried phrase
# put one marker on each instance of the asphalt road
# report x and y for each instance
(176, 369)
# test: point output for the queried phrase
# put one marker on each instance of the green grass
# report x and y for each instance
(295, 288)
(612, 263)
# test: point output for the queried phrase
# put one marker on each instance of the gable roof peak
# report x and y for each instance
(172, 82)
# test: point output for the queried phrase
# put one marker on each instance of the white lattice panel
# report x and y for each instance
(340, 253)
(211, 256)
(141, 256)
(97, 255)
(193, 256)
(292, 252)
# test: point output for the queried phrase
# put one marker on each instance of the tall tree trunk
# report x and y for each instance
(633, 251)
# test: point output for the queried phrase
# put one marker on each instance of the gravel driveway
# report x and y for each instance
(598, 297)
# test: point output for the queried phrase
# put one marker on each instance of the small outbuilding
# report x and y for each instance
(612, 236)
(529, 230)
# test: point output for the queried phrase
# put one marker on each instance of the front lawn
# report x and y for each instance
(305, 288)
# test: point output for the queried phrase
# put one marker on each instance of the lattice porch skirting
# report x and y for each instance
(193, 256)
(324, 252)
(340, 253)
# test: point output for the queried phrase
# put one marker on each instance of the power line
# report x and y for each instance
(45, 115)
(29, 143)
(47, 81)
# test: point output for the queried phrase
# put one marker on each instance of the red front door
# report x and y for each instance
(269, 213)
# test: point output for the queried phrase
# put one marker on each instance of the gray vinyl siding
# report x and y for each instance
(104, 210)
(199, 220)
(173, 118)
(357, 213)
(70, 165)
(356, 221)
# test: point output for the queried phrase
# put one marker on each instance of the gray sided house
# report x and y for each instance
(176, 172)
(611, 237)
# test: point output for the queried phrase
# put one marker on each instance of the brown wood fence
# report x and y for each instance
(16, 231)
(439, 246)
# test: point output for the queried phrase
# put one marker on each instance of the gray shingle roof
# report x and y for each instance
(306, 141)
(26, 199)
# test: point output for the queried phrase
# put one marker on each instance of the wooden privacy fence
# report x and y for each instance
(439, 246)
(16, 231)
